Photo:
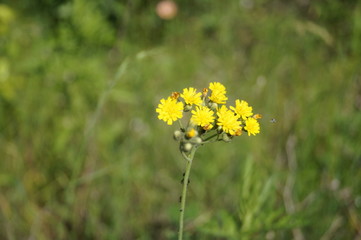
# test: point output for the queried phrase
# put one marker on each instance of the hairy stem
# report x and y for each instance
(189, 159)
(210, 137)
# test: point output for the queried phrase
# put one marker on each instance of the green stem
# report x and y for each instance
(189, 159)
(210, 137)
(204, 142)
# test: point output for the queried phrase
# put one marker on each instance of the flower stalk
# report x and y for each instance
(185, 181)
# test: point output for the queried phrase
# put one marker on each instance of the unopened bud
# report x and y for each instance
(191, 133)
(177, 135)
(196, 140)
(213, 106)
(204, 92)
(175, 95)
(187, 108)
(238, 132)
(208, 127)
(187, 147)
(257, 116)
(226, 137)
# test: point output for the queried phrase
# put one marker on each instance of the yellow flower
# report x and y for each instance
(242, 109)
(252, 126)
(217, 87)
(202, 116)
(169, 110)
(190, 96)
(217, 97)
(218, 93)
(228, 120)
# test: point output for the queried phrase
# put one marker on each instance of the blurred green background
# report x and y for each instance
(83, 155)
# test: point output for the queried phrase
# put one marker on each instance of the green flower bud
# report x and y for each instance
(177, 135)
(226, 137)
(213, 106)
(187, 107)
(196, 140)
(187, 147)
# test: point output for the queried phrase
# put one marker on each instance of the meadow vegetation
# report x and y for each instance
(83, 155)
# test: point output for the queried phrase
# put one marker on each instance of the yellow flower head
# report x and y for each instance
(242, 109)
(202, 116)
(218, 93)
(252, 126)
(170, 110)
(190, 96)
(217, 87)
(228, 120)
(217, 97)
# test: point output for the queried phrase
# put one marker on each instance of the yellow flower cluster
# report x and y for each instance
(209, 120)
(208, 113)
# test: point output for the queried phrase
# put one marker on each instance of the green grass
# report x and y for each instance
(83, 155)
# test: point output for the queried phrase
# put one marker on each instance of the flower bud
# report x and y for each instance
(208, 127)
(191, 133)
(204, 92)
(196, 140)
(177, 135)
(257, 116)
(238, 132)
(213, 106)
(175, 95)
(187, 108)
(187, 147)
(226, 137)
